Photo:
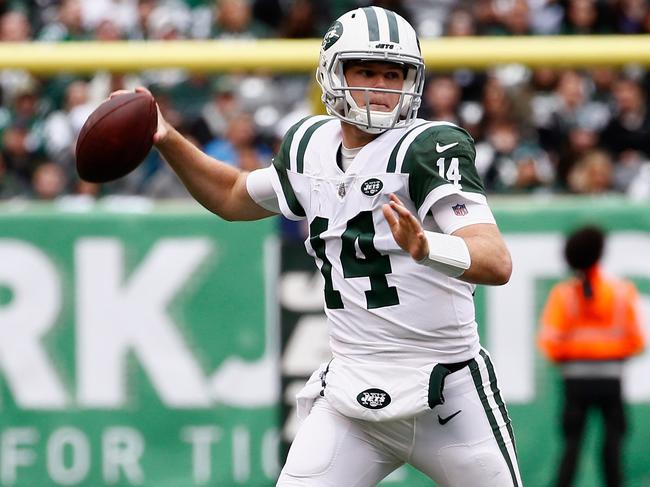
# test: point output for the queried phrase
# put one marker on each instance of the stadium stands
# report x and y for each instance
(537, 131)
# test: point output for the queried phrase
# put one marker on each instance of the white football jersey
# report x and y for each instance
(380, 303)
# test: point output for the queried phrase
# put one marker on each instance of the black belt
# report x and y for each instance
(455, 367)
(437, 380)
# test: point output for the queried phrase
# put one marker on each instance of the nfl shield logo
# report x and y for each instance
(460, 209)
(341, 190)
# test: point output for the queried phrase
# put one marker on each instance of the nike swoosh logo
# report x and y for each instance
(443, 148)
(446, 420)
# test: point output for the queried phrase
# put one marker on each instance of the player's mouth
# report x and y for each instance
(379, 107)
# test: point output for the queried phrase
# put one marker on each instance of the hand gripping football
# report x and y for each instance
(116, 137)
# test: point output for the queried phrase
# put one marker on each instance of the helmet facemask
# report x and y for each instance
(374, 121)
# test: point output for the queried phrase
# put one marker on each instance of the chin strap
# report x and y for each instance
(447, 254)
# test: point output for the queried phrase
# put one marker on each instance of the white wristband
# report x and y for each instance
(447, 254)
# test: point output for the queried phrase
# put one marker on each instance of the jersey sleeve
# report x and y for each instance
(288, 202)
(259, 184)
(440, 162)
(455, 212)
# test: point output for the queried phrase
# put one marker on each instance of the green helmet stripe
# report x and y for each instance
(392, 26)
(373, 25)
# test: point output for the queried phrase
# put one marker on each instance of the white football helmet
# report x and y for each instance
(370, 34)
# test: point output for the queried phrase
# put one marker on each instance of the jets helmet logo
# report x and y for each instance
(373, 399)
(332, 35)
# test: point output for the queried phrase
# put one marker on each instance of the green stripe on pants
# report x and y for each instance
(478, 382)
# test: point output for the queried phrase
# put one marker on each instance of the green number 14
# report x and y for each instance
(359, 258)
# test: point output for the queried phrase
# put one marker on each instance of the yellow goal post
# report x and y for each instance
(283, 55)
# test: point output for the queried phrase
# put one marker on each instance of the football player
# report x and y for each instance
(401, 231)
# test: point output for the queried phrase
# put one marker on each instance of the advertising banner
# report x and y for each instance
(141, 349)
(134, 351)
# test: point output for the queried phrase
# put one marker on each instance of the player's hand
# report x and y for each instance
(163, 126)
(406, 228)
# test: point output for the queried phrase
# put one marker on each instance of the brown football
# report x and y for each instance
(116, 137)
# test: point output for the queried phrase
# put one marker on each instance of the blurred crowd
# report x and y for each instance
(536, 131)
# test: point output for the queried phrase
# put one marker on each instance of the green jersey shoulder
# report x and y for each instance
(437, 157)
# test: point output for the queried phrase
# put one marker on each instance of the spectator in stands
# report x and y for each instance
(68, 26)
(15, 27)
(303, 19)
(571, 110)
(460, 24)
(234, 20)
(429, 16)
(212, 121)
(591, 174)
(508, 164)
(498, 105)
(107, 30)
(590, 326)
(542, 96)
(49, 181)
(61, 127)
(441, 99)
(571, 107)
(138, 30)
(10, 185)
(486, 15)
(582, 18)
(122, 13)
(239, 146)
(629, 128)
(294, 19)
(513, 18)
(630, 15)
(581, 139)
(546, 17)
(22, 141)
(602, 79)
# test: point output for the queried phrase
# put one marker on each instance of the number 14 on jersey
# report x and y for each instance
(453, 170)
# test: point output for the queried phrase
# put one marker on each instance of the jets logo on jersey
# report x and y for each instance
(332, 35)
(371, 187)
(373, 399)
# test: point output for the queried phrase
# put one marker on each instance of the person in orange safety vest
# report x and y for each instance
(590, 325)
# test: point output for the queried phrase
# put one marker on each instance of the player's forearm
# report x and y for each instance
(212, 183)
(490, 261)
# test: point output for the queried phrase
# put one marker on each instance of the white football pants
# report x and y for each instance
(465, 442)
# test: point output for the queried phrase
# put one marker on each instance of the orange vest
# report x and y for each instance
(605, 327)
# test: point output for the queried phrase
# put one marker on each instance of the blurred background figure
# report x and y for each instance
(239, 146)
(49, 181)
(590, 326)
(591, 174)
(68, 25)
(509, 163)
(233, 19)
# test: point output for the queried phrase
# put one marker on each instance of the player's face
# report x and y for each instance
(375, 75)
